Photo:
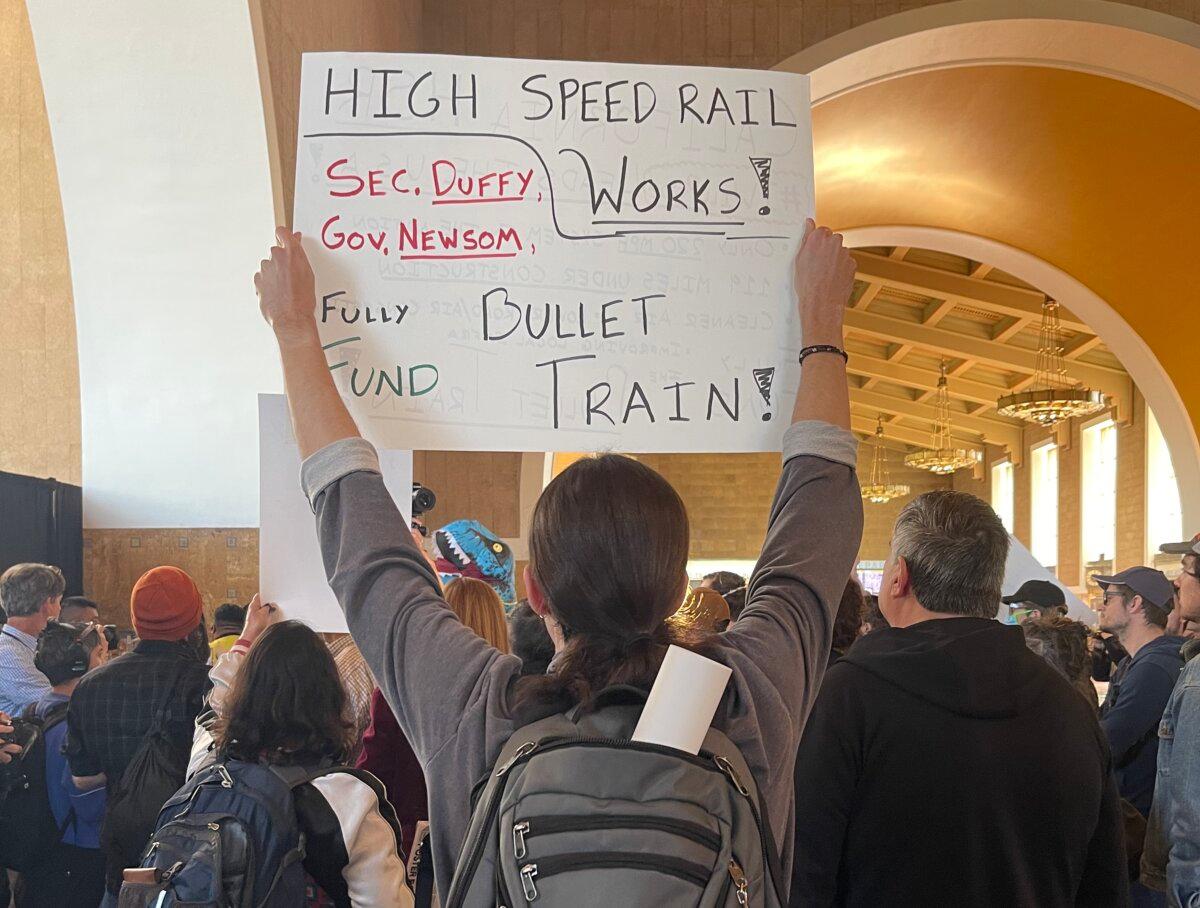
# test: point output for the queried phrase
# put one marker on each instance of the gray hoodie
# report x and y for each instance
(452, 693)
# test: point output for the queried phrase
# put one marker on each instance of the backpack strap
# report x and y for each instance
(55, 715)
(614, 694)
(158, 724)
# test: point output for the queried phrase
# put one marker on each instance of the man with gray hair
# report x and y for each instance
(943, 762)
(31, 595)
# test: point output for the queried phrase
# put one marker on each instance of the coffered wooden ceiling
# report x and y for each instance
(912, 307)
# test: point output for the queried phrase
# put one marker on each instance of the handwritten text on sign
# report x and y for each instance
(532, 255)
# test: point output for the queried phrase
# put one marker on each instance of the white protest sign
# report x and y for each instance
(532, 255)
(291, 572)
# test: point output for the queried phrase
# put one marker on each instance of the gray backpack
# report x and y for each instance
(575, 814)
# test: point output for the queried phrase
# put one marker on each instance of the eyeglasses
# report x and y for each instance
(1195, 574)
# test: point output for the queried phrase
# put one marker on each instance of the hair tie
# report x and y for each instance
(633, 641)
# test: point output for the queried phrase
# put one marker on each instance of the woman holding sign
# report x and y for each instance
(608, 553)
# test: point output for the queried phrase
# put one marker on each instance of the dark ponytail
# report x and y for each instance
(608, 548)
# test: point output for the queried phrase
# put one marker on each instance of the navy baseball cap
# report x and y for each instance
(1041, 593)
(1151, 585)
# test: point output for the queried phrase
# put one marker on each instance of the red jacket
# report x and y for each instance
(387, 755)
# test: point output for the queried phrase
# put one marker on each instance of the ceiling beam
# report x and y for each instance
(1080, 346)
(899, 252)
(960, 367)
(995, 431)
(981, 270)
(1002, 356)
(1011, 326)
(925, 379)
(898, 352)
(937, 311)
(946, 285)
(869, 294)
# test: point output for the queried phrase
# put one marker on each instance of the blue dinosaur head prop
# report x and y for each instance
(466, 548)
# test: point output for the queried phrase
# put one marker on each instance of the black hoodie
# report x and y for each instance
(946, 764)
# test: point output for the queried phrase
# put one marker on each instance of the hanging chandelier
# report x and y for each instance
(881, 489)
(1053, 396)
(942, 456)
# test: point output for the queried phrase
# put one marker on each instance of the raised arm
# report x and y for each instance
(287, 298)
(815, 523)
(824, 280)
(431, 669)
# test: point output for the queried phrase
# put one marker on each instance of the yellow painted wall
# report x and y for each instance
(39, 367)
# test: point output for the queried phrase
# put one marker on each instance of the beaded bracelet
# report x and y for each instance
(823, 348)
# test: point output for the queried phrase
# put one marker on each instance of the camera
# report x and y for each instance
(423, 499)
(111, 637)
(12, 774)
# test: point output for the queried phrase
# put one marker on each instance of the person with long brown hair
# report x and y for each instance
(608, 551)
(277, 699)
(478, 606)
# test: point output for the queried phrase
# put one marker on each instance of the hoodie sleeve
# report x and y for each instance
(1105, 878)
(828, 767)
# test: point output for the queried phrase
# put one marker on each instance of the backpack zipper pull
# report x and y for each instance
(528, 872)
(726, 767)
(519, 832)
(522, 752)
(740, 882)
(226, 778)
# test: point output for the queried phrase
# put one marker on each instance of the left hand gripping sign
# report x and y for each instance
(533, 255)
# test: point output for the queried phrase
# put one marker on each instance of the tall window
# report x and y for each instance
(1164, 516)
(1002, 493)
(1099, 494)
(1044, 495)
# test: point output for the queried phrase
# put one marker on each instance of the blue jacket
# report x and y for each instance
(1137, 696)
(1171, 859)
(83, 830)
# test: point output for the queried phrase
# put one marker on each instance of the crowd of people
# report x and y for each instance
(904, 748)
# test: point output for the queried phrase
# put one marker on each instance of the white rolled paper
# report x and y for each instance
(683, 701)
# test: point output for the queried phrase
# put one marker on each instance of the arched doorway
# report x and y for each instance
(1015, 133)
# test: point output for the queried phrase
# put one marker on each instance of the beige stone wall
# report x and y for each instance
(728, 497)
(223, 562)
(39, 367)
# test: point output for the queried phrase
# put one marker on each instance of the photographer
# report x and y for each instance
(31, 595)
(71, 873)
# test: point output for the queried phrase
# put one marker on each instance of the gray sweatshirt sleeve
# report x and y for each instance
(441, 680)
(779, 646)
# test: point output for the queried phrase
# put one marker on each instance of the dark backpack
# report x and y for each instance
(232, 837)
(575, 814)
(28, 831)
(158, 768)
